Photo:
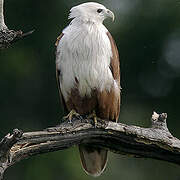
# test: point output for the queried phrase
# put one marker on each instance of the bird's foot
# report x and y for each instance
(94, 117)
(70, 115)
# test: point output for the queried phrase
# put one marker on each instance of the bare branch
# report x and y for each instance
(5, 145)
(2, 23)
(7, 37)
(155, 142)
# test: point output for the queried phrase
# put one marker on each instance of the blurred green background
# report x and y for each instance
(148, 37)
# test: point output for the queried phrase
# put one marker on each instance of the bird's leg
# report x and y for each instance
(70, 115)
(95, 118)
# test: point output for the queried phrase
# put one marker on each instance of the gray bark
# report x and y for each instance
(2, 23)
(155, 142)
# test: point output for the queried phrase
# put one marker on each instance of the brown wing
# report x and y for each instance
(109, 102)
(115, 67)
(58, 75)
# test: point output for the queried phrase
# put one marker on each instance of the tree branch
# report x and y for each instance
(5, 145)
(2, 24)
(155, 142)
(7, 37)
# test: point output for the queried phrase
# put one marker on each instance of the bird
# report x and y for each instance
(88, 74)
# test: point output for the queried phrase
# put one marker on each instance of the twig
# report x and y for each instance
(7, 37)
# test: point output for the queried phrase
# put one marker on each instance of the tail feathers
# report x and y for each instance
(93, 160)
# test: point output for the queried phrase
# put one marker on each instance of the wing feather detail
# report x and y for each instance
(115, 64)
(109, 102)
(58, 75)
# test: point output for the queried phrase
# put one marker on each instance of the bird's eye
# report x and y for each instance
(99, 10)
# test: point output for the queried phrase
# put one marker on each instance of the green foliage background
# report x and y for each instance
(147, 34)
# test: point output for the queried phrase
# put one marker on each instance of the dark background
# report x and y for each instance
(147, 34)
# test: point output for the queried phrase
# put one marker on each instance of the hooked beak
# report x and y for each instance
(110, 14)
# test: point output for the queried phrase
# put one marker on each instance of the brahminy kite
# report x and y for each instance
(88, 73)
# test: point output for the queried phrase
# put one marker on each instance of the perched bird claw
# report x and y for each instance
(70, 116)
(94, 117)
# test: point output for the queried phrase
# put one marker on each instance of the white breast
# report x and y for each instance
(84, 52)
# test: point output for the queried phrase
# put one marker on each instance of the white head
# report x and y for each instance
(90, 12)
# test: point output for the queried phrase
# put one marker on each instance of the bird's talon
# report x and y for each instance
(70, 121)
(69, 117)
(94, 117)
(95, 122)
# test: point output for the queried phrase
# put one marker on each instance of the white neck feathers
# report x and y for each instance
(84, 53)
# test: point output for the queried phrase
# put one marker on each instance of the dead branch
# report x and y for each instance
(8, 37)
(155, 142)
